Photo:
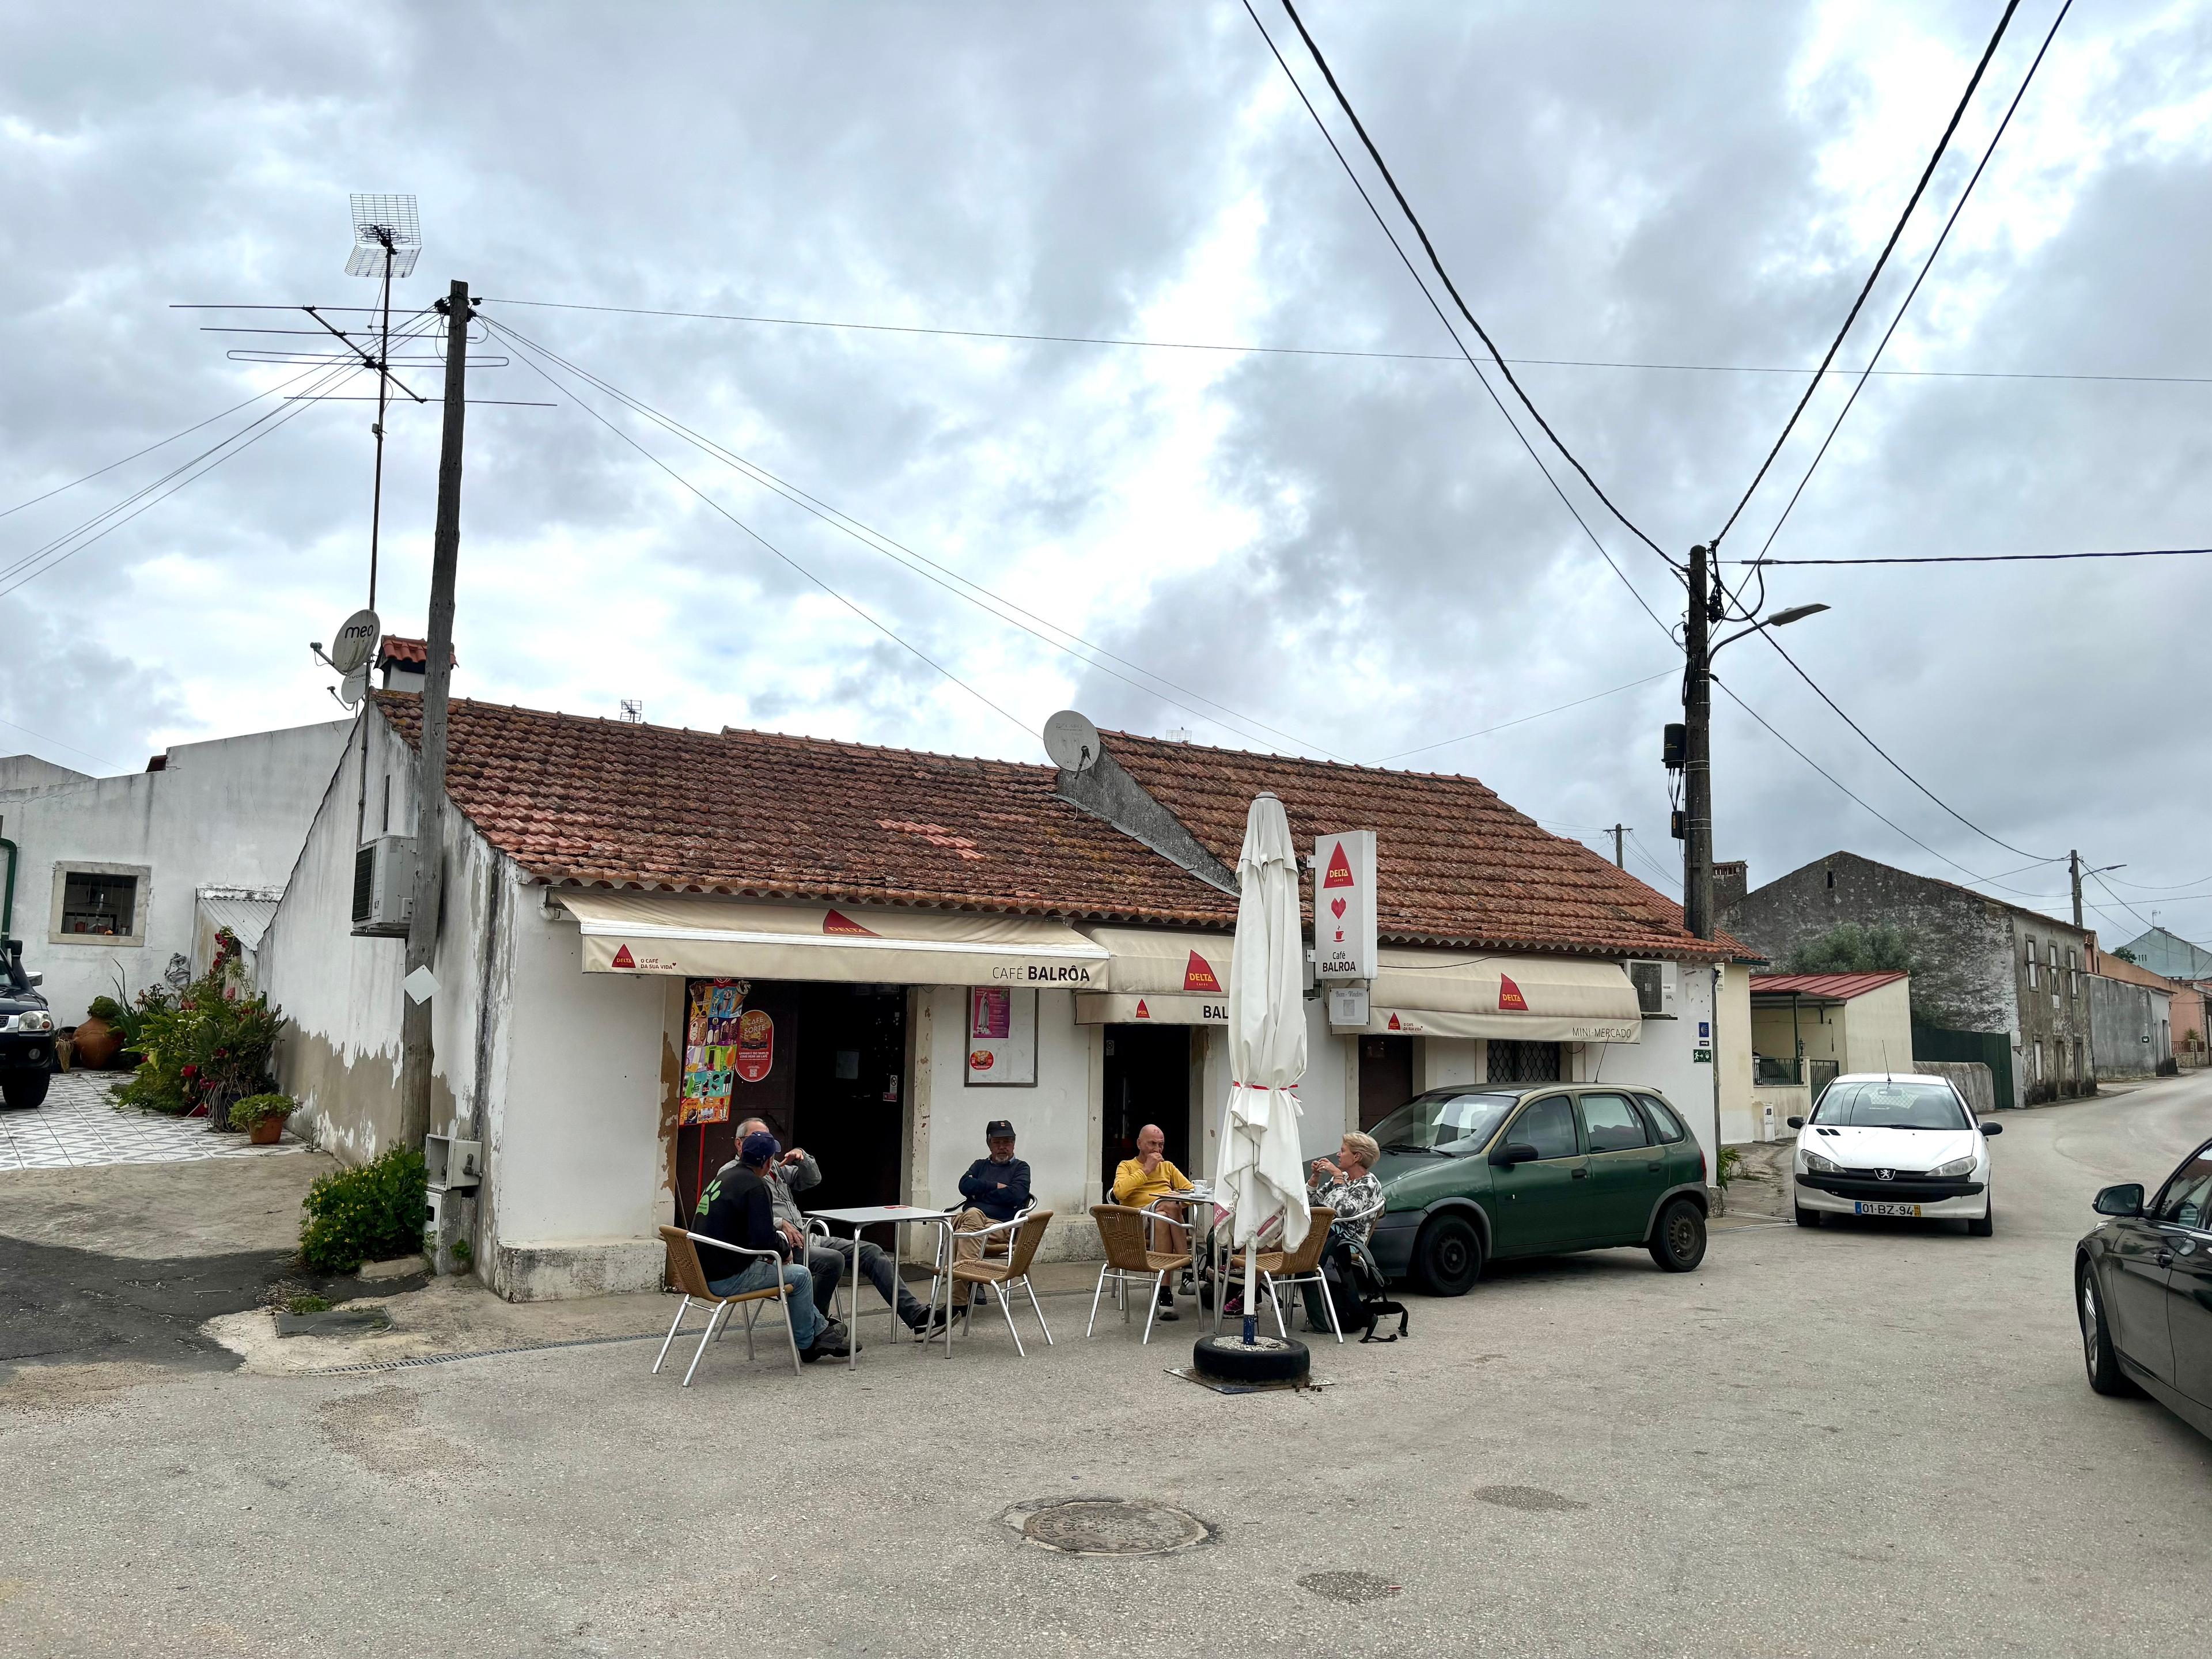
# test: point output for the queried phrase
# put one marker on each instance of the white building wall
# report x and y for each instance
(572, 1143)
(229, 813)
(1878, 1029)
(1665, 1058)
(1056, 1124)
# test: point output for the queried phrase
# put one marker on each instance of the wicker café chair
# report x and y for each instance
(691, 1278)
(1130, 1261)
(1002, 1275)
(1279, 1269)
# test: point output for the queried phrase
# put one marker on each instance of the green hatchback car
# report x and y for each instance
(1480, 1173)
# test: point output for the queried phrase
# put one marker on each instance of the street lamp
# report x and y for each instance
(1696, 740)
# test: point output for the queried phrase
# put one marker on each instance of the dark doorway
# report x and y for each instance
(832, 1085)
(1386, 1077)
(852, 1046)
(1147, 1081)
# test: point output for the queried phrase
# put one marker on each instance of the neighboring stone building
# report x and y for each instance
(1982, 966)
(2131, 1017)
(110, 871)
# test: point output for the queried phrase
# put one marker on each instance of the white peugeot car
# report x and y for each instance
(1894, 1144)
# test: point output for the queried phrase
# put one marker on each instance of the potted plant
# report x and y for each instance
(262, 1116)
(99, 1037)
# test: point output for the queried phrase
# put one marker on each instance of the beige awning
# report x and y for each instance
(1471, 994)
(717, 938)
(1161, 977)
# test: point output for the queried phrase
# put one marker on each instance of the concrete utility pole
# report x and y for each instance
(430, 770)
(1696, 758)
(1619, 858)
(2074, 864)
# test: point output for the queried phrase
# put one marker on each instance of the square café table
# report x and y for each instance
(869, 1215)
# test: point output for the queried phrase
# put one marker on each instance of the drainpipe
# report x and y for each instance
(7, 901)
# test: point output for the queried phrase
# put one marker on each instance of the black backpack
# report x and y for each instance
(1360, 1293)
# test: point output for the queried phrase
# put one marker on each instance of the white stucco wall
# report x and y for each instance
(1056, 1123)
(1664, 1059)
(1878, 1029)
(229, 813)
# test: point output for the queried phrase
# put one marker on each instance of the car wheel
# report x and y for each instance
(1677, 1243)
(2102, 1366)
(25, 1092)
(1448, 1256)
(1985, 1223)
(1806, 1218)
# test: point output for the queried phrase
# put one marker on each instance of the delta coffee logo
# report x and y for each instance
(1198, 975)
(1340, 871)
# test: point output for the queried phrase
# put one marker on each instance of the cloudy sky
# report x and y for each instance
(1342, 548)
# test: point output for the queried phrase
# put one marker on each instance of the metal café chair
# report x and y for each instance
(1130, 1260)
(1279, 1268)
(691, 1278)
(1001, 1276)
(817, 1228)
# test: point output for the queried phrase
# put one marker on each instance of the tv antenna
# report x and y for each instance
(387, 239)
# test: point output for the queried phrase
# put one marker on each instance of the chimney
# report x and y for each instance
(1731, 880)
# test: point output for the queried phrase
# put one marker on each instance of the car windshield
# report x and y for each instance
(1887, 1105)
(1445, 1120)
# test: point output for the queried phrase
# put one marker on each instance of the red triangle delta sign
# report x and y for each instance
(836, 921)
(1510, 999)
(1339, 869)
(1198, 975)
(623, 957)
(1143, 1012)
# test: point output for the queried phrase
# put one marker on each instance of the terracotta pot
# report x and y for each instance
(96, 1044)
(266, 1132)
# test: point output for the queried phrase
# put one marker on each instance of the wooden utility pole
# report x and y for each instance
(430, 769)
(1696, 758)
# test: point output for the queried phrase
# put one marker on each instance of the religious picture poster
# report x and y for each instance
(712, 1014)
(1001, 1038)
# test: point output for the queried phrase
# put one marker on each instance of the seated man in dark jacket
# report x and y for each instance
(737, 1208)
(997, 1186)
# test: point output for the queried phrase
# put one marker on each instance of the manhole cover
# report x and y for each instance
(1527, 1498)
(1107, 1526)
(1351, 1588)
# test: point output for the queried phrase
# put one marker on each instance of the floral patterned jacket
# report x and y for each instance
(1358, 1201)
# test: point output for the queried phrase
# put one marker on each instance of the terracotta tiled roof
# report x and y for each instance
(413, 653)
(616, 804)
(1455, 864)
(1841, 987)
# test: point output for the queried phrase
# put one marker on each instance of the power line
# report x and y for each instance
(1926, 265)
(1998, 558)
(857, 609)
(884, 546)
(1664, 673)
(104, 760)
(1250, 348)
(1405, 260)
(1767, 634)
(1444, 277)
(2148, 925)
(1896, 231)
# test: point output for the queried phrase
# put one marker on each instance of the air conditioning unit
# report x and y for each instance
(384, 887)
(1654, 983)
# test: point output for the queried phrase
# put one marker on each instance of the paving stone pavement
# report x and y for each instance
(78, 1127)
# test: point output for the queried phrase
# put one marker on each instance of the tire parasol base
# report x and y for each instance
(1264, 1359)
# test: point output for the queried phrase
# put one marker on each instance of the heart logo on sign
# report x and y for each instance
(1337, 906)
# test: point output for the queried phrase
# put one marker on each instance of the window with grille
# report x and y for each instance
(1513, 1062)
(99, 904)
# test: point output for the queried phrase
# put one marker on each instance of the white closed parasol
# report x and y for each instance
(1261, 1175)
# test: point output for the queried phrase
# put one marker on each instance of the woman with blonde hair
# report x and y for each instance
(1346, 1185)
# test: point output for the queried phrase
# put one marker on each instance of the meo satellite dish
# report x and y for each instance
(356, 643)
(1072, 741)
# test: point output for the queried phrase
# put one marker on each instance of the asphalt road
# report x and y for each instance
(1868, 1439)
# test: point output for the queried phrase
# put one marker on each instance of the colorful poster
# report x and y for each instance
(1001, 1038)
(713, 1011)
(755, 1054)
(992, 1018)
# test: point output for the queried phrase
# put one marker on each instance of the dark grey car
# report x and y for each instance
(2143, 1288)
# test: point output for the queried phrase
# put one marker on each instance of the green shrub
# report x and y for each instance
(106, 1010)
(365, 1214)
(245, 1114)
(205, 1048)
(307, 1304)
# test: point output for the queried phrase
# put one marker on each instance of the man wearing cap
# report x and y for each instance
(997, 1186)
(736, 1208)
(827, 1260)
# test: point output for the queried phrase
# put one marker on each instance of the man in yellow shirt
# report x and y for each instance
(1140, 1182)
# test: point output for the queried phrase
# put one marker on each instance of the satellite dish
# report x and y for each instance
(1072, 741)
(353, 687)
(356, 643)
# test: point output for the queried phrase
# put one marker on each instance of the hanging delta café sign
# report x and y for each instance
(1344, 906)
